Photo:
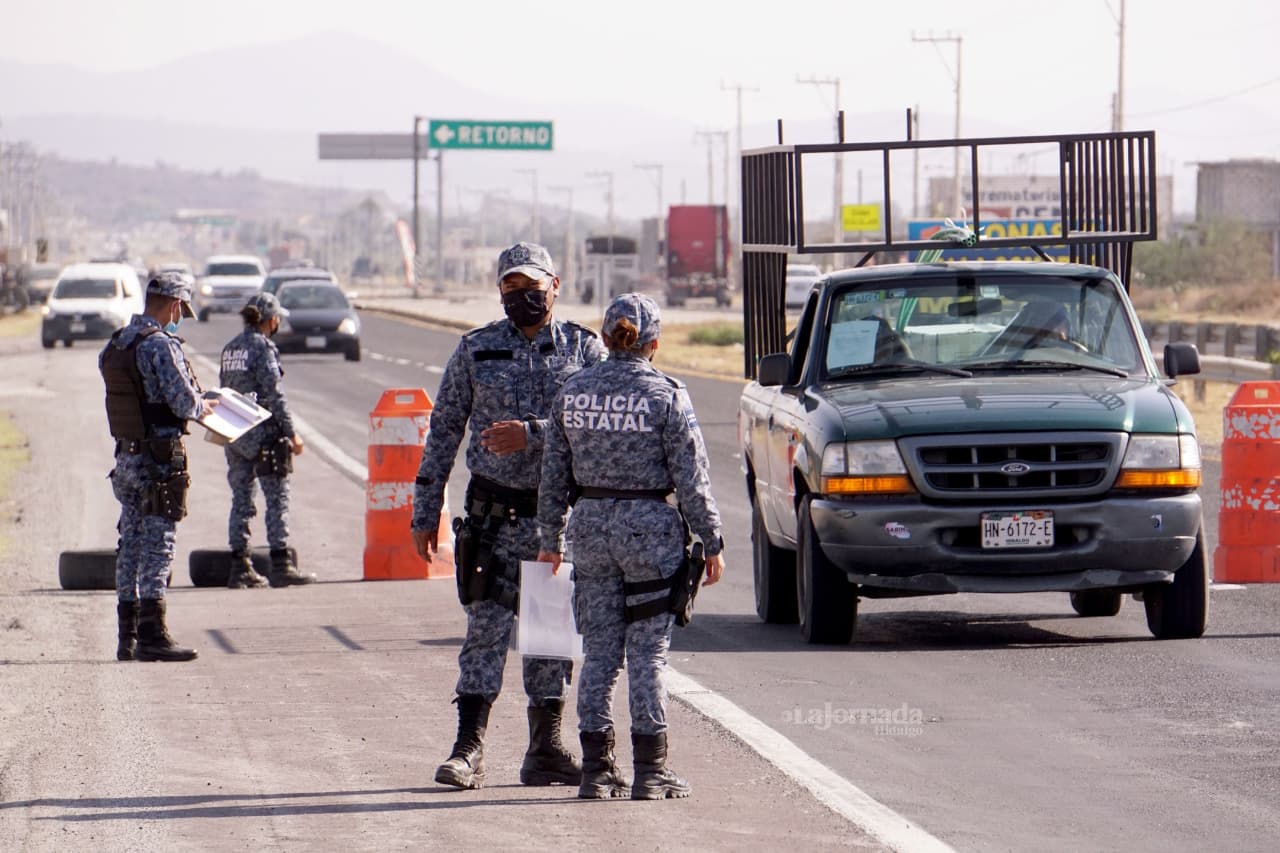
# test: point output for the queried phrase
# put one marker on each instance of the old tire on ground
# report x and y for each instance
(828, 603)
(1180, 610)
(94, 569)
(210, 567)
(774, 571)
(1096, 602)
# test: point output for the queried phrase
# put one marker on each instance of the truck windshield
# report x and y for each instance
(85, 288)
(976, 321)
(236, 268)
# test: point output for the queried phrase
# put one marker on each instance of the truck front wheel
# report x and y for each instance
(828, 603)
(1180, 610)
(774, 573)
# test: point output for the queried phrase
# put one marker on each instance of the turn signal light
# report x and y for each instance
(1183, 478)
(894, 484)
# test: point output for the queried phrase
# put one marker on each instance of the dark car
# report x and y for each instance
(320, 319)
(277, 277)
(38, 280)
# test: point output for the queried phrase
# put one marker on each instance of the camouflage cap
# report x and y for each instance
(266, 305)
(527, 259)
(174, 285)
(641, 310)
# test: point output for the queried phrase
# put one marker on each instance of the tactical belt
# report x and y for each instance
(485, 498)
(648, 609)
(625, 494)
(162, 450)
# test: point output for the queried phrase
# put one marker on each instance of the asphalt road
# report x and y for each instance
(995, 723)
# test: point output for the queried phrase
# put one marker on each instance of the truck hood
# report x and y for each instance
(245, 281)
(986, 403)
(68, 307)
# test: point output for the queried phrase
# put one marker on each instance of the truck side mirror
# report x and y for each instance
(1181, 360)
(775, 369)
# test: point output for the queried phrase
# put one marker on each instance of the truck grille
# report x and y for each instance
(1014, 464)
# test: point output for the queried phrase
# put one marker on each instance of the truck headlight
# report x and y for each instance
(206, 290)
(864, 468)
(45, 310)
(347, 327)
(1161, 462)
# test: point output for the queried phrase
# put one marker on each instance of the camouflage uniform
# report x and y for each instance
(498, 374)
(251, 365)
(146, 541)
(623, 425)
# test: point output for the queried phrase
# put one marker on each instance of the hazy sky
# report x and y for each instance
(1204, 75)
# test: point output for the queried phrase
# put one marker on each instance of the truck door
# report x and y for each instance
(785, 427)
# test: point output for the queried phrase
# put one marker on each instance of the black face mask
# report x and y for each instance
(526, 308)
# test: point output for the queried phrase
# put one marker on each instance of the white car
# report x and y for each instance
(800, 279)
(227, 283)
(90, 301)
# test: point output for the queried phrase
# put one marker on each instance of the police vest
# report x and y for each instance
(129, 415)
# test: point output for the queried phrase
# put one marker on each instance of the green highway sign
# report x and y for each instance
(491, 135)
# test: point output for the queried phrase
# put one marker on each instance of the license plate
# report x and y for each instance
(317, 342)
(77, 327)
(1022, 529)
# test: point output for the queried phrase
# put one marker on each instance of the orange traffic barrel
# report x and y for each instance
(398, 427)
(1249, 515)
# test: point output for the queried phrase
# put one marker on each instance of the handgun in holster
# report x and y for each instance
(275, 459)
(482, 576)
(166, 490)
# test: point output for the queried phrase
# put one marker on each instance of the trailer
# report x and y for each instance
(697, 253)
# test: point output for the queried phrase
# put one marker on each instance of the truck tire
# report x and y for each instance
(212, 568)
(1180, 610)
(87, 569)
(828, 603)
(1096, 602)
(774, 572)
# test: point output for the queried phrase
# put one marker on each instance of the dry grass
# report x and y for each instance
(20, 325)
(677, 353)
(14, 455)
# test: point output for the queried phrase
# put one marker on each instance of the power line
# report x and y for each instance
(1211, 100)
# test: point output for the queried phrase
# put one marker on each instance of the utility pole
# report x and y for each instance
(913, 132)
(537, 230)
(662, 219)
(1117, 104)
(417, 232)
(735, 210)
(606, 269)
(568, 267)
(837, 216)
(711, 136)
(440, 221)
(955, 169)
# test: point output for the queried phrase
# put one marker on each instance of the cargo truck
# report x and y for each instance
(697, 253)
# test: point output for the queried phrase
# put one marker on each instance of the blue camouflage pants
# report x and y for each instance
(146, 541)
(241, 477)
(615, 541)
(484, 651)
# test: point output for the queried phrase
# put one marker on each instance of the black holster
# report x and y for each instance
(480, 574)
(166, 491)
(275, 459)
(682, 589)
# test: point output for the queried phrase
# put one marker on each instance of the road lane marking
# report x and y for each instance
(828, 787)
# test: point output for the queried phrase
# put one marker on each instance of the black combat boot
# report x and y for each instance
(547, 761)
(242, 574)
(601, 778)
(465, 765)
(284, 572)
(154, 642)
(127, 621)
(653, 780)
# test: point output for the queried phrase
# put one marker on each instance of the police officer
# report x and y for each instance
(500, 382)
(624, 435)
(251, 365)
(151, 394)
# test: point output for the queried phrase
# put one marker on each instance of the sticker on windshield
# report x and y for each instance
(853, 342)
(989, 291)
(864, 296)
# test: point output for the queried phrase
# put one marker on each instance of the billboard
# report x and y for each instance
(923, 229)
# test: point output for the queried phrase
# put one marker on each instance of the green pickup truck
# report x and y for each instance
(972, 427)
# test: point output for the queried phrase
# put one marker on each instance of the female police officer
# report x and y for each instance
(626, 435)
(251, 365)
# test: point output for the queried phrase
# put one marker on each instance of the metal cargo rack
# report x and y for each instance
(1107, 183)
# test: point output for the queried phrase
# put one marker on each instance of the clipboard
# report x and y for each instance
(234, 415)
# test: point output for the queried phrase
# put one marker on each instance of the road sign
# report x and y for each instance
(860, 217)
(492, 135)
(367, 146)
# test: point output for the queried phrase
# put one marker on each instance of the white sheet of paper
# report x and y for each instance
(545, 628)
(852, 342)
(234, 415)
